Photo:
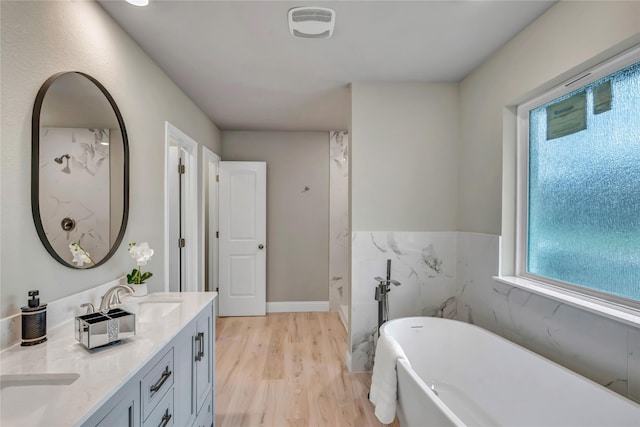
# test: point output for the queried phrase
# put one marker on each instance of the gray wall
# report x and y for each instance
(39, 39)
(404, 164)
(568, 38)
(297, 220)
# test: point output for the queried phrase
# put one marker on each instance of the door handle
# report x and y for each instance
(260, 246)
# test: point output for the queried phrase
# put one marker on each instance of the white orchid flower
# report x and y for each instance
(142, 253)
(80, 256)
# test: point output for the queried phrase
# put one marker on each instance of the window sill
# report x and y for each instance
(607, 309)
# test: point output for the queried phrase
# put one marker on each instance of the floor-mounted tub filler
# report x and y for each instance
(457, 374)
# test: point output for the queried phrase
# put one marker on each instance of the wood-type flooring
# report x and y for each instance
(288, 369)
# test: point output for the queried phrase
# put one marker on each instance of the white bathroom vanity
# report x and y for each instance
(164, 375)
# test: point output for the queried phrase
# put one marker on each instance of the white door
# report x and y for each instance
(243, 230)
(181, 239)
(176, 209)
(210, 162)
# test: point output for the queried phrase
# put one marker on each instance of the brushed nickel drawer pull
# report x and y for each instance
(201, 334)
(200, 338)
(165, 419)
(165, 376)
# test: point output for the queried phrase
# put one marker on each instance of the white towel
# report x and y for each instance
(384, 381)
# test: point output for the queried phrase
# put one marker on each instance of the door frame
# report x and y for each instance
(210, 165)
(175, 137)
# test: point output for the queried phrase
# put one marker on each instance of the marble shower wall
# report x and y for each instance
(425, 265)
(339, 222)
(606, 351)
(449, 274)
(74, 177)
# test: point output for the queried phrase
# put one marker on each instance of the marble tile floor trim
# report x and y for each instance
(58, 311)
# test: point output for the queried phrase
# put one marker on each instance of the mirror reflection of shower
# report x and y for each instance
(59, 161)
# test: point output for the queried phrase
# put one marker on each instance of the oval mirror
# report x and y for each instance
(79, 169)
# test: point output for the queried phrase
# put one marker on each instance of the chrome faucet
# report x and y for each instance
(383, 288)
(111, 297)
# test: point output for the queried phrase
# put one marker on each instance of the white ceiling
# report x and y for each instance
(238, 62)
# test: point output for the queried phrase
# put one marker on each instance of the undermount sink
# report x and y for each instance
(23, 396)
(150, 310)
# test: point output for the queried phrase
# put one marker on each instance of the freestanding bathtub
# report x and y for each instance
(462, 375)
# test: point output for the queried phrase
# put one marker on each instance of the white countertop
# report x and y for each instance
(102, 371)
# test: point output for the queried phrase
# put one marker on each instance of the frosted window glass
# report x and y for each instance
(584, 191)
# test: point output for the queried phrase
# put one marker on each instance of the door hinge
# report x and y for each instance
(181, 169)
(217, 234)
(217, 178)
(182, 243)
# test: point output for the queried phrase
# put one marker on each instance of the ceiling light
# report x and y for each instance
(311, 22)
(138, 2)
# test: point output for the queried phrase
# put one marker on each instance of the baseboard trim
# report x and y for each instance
(297, 306)
(347, 359)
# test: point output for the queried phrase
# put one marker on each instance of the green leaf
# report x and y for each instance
(133, 277)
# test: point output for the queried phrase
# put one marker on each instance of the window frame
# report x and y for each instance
(580, 80)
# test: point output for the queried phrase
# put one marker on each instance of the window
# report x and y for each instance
(579, 184)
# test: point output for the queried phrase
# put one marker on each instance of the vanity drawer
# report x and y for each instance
(156, 382)
(163, 415)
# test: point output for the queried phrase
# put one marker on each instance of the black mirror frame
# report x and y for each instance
(35, 170)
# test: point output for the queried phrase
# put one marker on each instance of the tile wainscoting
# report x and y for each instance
(449, 274)
(425, 265)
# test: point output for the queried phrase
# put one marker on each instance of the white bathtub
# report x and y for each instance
(481, 379)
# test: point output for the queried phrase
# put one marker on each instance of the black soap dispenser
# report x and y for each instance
(34, 321)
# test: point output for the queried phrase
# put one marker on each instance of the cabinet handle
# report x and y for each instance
(165, 419)
(165, 376)
(201, 344)
(200, 338)
(197, 338)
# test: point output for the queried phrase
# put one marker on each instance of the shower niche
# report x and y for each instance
(79, 188)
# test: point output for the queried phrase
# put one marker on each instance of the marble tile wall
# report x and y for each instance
(425, 265)
(74, 176)
(339, 223)
(598, 348)
(606, 351)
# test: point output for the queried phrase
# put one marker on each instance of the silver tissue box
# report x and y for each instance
(98, 329)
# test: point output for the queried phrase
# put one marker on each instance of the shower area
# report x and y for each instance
(339, 233)
(75, 173)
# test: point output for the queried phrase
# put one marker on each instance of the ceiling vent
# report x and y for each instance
(311, 22)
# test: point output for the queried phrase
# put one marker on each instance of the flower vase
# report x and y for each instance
(139, 290)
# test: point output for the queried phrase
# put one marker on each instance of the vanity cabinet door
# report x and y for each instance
(184, 405)
(203, 358)
(205, 417)
(194, 356)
